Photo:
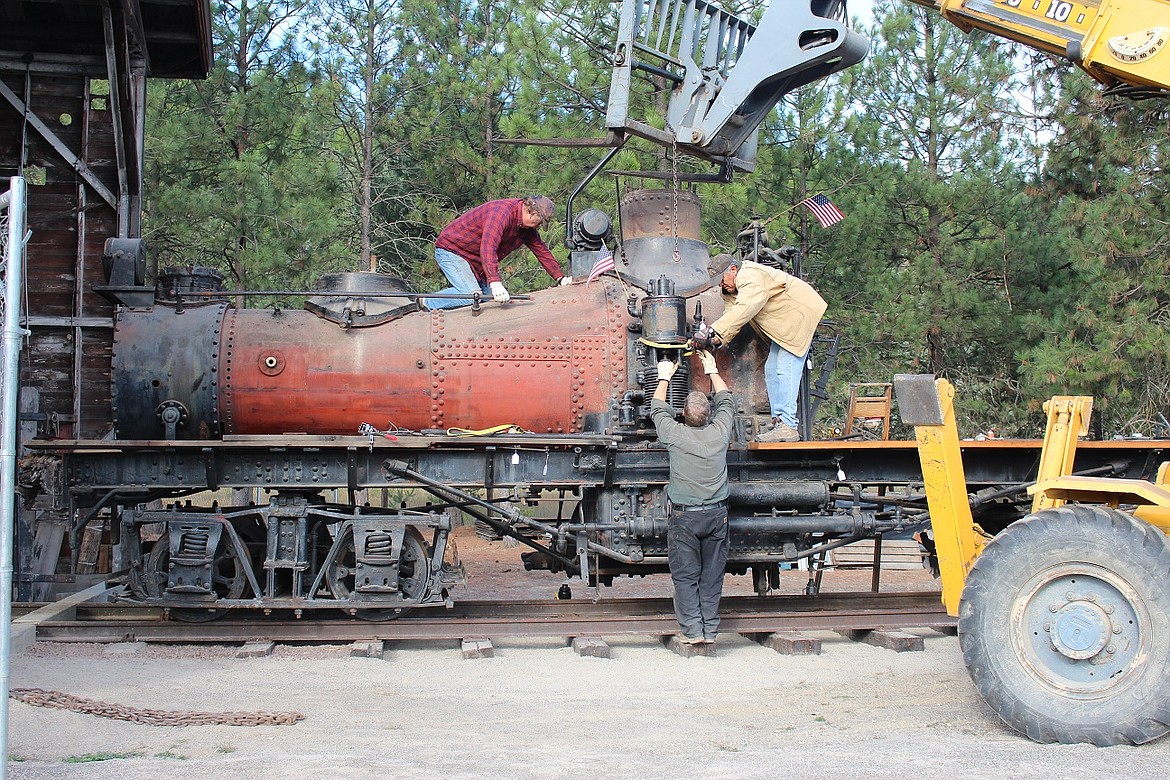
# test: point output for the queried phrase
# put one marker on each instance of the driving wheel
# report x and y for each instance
(414, 575)
(227, 579)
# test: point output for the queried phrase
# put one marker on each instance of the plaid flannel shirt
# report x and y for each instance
(491, 232)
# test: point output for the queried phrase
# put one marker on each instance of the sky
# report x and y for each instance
(862, 9)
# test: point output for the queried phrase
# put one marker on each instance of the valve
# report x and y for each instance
(172, 414)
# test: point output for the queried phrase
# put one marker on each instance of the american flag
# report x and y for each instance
(604, 263)
(823, 209)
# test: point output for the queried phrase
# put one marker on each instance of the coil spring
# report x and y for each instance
(676, 390)
(193, 544)
(379, 543)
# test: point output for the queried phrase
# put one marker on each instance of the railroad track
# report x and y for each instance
(749, 615)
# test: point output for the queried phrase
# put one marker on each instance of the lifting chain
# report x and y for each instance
(677, 255)
(38, 697)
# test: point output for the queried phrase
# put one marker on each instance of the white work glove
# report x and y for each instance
(708, 359)
(566, 281)
(666, 370)
(499, 292)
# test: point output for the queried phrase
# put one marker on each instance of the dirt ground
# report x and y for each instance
(495, 570)
(537, 710)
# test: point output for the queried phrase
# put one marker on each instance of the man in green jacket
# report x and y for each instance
(783, 309)
(696, 536)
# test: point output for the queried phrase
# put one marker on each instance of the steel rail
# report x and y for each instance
(497, 619)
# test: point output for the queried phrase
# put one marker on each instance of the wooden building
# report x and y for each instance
(72, 107)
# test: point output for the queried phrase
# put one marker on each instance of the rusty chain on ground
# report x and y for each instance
(64, 701)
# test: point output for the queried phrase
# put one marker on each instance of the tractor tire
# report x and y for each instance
(1065, 626)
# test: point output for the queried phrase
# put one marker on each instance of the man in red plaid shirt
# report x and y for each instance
(469, 250)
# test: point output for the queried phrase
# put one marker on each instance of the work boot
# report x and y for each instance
(779, 432)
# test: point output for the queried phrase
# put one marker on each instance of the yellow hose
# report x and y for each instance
(467, 432)
(687, 350)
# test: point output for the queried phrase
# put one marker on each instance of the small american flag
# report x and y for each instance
(823, 209)
(604, 263)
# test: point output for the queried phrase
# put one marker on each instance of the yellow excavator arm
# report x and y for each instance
(1120, 43)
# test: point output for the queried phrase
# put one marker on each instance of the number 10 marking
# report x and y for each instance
(1060, 10)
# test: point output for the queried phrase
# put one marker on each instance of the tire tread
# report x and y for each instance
(1045, 533)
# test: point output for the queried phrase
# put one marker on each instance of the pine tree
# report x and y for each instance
(934, 288)
(355, 52)
(238, 181)
(1107, 194)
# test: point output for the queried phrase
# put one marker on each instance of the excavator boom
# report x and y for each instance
(1120, 43)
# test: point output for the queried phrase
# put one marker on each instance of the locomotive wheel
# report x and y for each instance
(227, 578)
(1065, 627)
(414, 575)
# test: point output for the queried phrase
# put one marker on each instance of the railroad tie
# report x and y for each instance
(898, 641)
(591, 647)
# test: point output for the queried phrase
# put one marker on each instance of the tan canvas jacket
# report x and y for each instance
(778, 305)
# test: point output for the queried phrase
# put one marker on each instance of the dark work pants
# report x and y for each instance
(697, 551)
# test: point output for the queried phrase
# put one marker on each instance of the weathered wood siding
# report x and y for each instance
(68, 358)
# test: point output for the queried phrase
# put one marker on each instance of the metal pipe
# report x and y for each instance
(804, 524)
(808, 494)
(512, 515)
(569, 242)
(331, 294)
(655, 70)
(503, 528)
(820, 548)
(24, 114)
(116, 115)
(13, 333)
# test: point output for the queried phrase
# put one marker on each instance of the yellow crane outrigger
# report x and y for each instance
(1064, 616)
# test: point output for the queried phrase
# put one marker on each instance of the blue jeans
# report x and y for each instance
(462, 280)
(782, 374)
(696, 547)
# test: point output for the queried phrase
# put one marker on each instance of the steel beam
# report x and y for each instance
(625, 617)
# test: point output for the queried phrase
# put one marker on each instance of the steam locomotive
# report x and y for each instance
(531, 419)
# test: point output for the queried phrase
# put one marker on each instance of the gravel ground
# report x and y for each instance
(537, 710)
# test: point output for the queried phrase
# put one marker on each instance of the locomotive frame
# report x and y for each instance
(298, 551)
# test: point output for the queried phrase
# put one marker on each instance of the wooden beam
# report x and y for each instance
(82, 169)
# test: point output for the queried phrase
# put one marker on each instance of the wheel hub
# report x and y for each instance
(1080, 630)
(1081, 627)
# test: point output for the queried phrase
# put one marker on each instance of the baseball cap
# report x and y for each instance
(544, 206)
(719, 263)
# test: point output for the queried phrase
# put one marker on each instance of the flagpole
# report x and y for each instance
(803, 402)
(779, 214)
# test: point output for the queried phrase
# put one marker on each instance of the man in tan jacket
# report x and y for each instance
(786, 311)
